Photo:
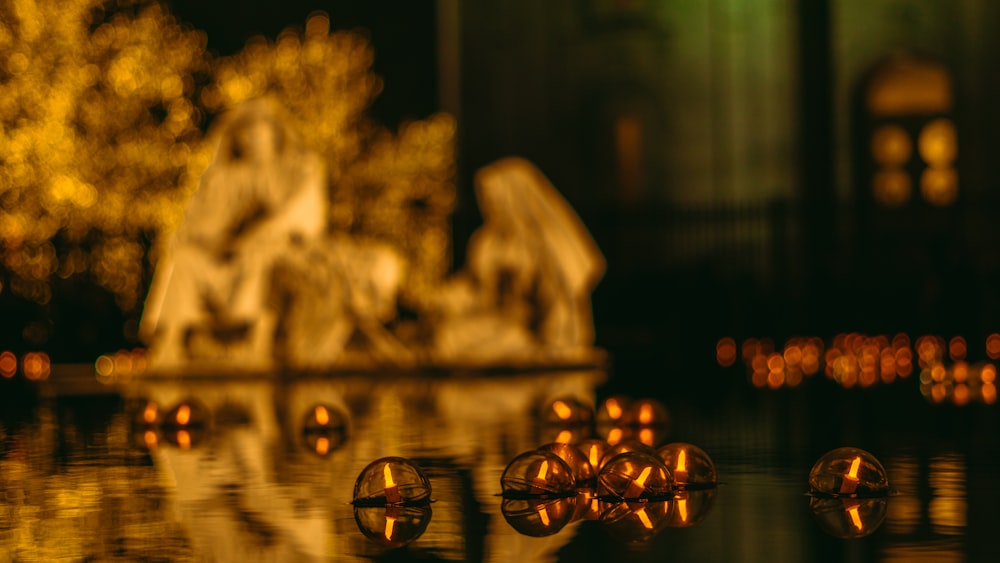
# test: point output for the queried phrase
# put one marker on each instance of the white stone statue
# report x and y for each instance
(524, 295)
(262, 196)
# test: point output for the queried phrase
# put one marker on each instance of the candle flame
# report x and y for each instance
(562, 410)
(641, 479)
(855, 517)
(322, 415)
(645, 414)
(564, 437)
(149, 413)
(184, 439)
(544, 515)
(682, 508)
(614, 409)
(150, 438)
(388, 476)
(543, 469)
(644, 518)
(183, 415)
(323, 445)
(682, 461)
(390, 523)
(614, 436)
(853, 472)
(594, 459)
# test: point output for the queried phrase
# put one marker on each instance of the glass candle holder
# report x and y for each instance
(537, 473)
(634, 476)
(690, 465)
(848, 472)
(691, 507)
(593, 449)
(625, 446)
(584, 476)
(392, 526)
(636, 523)
(611, 410)
(849, 518)
(538, 517)
(391, 481)
(189, 413)
(646, 412)
(324, 429)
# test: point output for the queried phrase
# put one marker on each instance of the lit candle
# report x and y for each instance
(644, 518)
(322, 415)
(149, 413)
(183, 415)
(392, 495)
(638, 485)
(539, 480)
(680, 473)
(850, 484)
(184, 439)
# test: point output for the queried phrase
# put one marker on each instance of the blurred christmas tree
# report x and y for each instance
(103, 106)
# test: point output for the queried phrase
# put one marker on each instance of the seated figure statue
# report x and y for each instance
(262, 196)
(524, 296)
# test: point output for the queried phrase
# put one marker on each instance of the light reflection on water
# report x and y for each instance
(77, 479)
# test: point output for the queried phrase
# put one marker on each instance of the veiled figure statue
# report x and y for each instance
(262, 196)
(524, 296)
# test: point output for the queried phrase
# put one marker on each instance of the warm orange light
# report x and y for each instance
(680, 472)
(989, 393)
(564, 437)
(644, 518)
(392, 495)
(149, 437)
(104, 366)
(725, 352)
(957, 348)
(544, 515)
(543, 470)
(646, 436)
(960, 395)
(149, 413)
(8, 364)
(850, 483)
(322, 445)
(36, 366)
(614, 436)
(988, 374)
(184, 439)
(993, 346)
(322, 415)
(645, 413)
(855, 517)
(183, 416)
(390, 523)
(682, 509)
(614, 409)
(562, 410)
(852, 473)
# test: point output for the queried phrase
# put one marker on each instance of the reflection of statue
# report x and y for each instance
(525, 293)
(262, 195)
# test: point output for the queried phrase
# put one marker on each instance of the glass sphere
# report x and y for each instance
(324, 429)
(538, 473)
(567, 411)
(691, 507)
(636, 522)
(583, 473)
(189, 413)
(392, 525)
(689, 464)
(625, 446)
(646, 412)
(634, 476)
(848, 517)
(538, 517)
(391, 480)
(850, 472)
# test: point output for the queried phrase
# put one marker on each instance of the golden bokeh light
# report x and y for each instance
(102, 110)
(938, 143)
(939, 186)
(891, 145)
(892, 187)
